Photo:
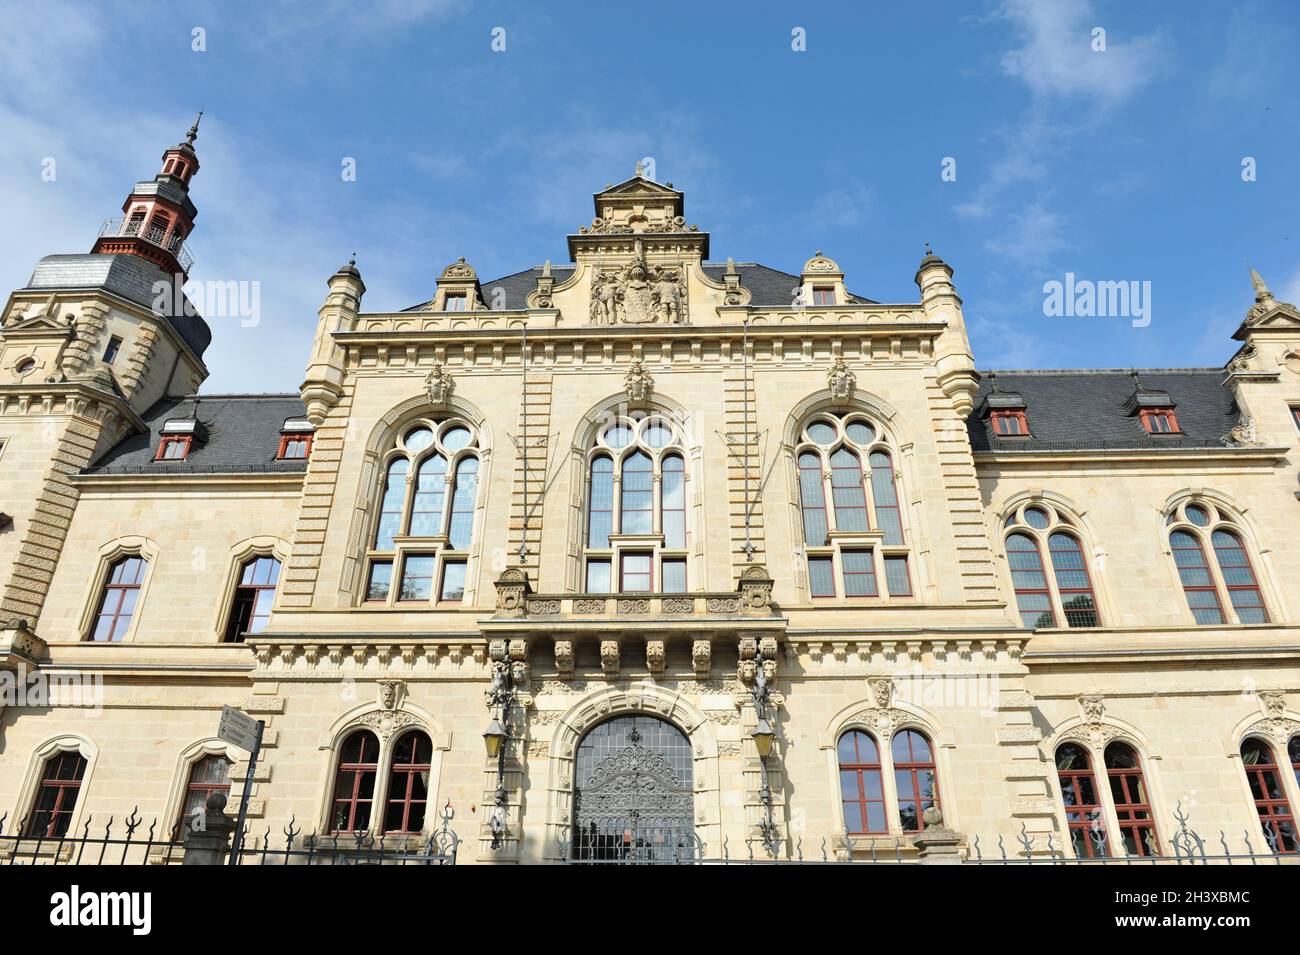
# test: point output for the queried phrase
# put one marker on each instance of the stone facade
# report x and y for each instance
(637, 328)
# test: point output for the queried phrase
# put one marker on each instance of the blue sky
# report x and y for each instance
(1116, 165)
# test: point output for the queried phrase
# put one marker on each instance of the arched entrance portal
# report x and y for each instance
(633, 797)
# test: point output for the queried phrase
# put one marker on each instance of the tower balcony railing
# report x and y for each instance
(172, 243)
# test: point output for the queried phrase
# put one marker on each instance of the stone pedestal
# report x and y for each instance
(208, 840)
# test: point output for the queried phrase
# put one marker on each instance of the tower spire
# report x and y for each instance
(158, 215)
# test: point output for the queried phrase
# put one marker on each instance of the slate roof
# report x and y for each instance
(768, 287)
(129, 276)
(1085, 409)
(243, 436)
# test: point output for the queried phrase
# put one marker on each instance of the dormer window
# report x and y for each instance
(1010, 423)
(1159, 421)
(823, 294)
(174, 447)
(178, 436)
(295, 440)
(295, 446)
(454, 302)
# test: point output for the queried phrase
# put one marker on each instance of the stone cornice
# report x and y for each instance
(69, 397)
(206, 483)
(1132, 456)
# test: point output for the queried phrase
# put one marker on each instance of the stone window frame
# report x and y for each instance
(388, 725)
(380, 449)
(26, 803)
(1231, 517)
(884, 419)
(654, 543)
(109, 554)
(239, 554)
(1063, 518)
(185, 762)
(582, 449)
(1094, 736)
(883, 723)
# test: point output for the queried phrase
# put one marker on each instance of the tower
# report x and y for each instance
(85, 350)
(158, 215)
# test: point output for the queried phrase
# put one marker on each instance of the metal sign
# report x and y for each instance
(238, 727)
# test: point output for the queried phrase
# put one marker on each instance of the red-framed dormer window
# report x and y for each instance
(294, 446)
(823, 294)
(174, 447)
(1160, 421)
(1010, 423)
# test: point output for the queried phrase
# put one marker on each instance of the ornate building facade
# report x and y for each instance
(638, 546)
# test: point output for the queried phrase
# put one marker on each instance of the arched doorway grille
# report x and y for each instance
(633, 797)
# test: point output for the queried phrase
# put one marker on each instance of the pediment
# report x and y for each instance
(639, 187)
(40, 323)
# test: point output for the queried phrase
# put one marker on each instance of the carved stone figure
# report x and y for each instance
(668, 296)
(604, 299)
(1242, 434)
(638, 383)
(842, 381)
(438, 385)
(389, 693)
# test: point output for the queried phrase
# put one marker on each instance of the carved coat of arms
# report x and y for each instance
(636, 294)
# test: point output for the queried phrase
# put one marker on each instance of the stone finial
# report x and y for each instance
(1265, 303)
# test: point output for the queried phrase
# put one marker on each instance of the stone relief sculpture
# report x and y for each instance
(438, 385)
(637, 295)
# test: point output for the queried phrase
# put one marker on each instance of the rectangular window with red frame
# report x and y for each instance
(1010, 424)
(294, 446)
(1160, 421)
(174, 447)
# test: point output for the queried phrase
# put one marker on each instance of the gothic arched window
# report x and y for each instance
(637, 527)
(862, 784)
(408, 783)
(56, 797)
(1276, 820)
(119, 599)
(1128, 792)
(915, 777)
(844, 458)
(1197, 529)
(1084, 816)
(354, 783)
(1066, 594)
(424, 528)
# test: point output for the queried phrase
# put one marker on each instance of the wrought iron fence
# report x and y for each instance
(632, 842)
(357, 848)
(1185, 847)
(129, 845)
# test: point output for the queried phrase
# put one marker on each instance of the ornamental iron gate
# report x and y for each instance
(633, 795)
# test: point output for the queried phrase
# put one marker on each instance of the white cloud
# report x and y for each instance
(1056, 56)
(1034, 234)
